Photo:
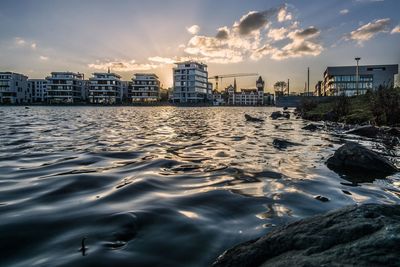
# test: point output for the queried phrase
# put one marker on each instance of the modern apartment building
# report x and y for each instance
(38, 89)
(14, 88)
(65, 87)
(145, 88)
(105, 88)
(343, 80)
(191, 83)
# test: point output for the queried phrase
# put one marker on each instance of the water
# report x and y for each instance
(158, 186)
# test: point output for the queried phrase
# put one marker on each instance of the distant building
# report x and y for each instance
(105, 88)
(191, 83)
(145, 88)
(38, 89)
(65, 87)
(318, 89)
(343, 80)
(14, 88)
(246, 97)
(126, 87)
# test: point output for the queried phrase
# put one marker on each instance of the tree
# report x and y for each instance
(280, 87)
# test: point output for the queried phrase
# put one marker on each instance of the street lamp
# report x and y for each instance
(357, 73)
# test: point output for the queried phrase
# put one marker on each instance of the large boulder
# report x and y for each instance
(366, 235)
(278, 114)
(355, 159)
(252, 119)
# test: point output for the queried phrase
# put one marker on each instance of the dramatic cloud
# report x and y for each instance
(123, 65)
(369, 30)
(253, 37)
(344, 11)
(194, 29)
(396, 29)
(43, 58)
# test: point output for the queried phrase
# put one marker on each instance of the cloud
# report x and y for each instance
(162, 60)
(19, 41)
(194, 29)
(123, 65)
(223, 33)
(284, 15)
(278, 34)
(368, 31)
(396, 29)
(44, 58)
(344, 11)
(33, 46)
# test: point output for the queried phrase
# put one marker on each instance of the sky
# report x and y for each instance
(276, 39)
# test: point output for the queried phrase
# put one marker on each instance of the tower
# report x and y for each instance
(260, 84)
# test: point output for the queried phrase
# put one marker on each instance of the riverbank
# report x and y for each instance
(381, 108)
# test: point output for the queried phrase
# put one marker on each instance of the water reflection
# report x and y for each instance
(142, 183)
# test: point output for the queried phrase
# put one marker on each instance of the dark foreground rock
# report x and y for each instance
(366, 131)
(252, 119)
(311, 127)
(366, 235)
(354, 159)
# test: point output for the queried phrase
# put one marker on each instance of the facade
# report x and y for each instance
(145, 88)
(191, 83)
(105, 88)
(14, 88)
(343, 80)
(38, 89)
(126, 88)
(65, 87)
(246, 97)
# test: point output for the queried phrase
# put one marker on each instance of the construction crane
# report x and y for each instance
(220, 77)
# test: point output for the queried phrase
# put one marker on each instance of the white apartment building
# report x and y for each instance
(14, 88)
(38, 89)
(191, 83)
(65, 87)
(105, 88)
(145, 88)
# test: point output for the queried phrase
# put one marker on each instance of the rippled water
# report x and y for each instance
(158, 186)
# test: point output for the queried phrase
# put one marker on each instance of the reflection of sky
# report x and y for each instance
(37, 37)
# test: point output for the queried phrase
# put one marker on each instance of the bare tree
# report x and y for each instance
(280, 87)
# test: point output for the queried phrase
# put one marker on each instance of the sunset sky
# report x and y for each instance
(276, 39)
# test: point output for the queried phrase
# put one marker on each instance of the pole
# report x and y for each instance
(308, 81)
(357, 75)
(288, 87)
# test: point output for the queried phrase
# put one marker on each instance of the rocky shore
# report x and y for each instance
(366, 235)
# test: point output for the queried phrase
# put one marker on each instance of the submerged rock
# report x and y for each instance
(322, 199)
(282, 144)
(278, 114)
(252, 119)
(354, 159)
(366, 131)
(311, 127)
(366, 235)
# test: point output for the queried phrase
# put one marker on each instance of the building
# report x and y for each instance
(14, 88)
(191, 83)
(105, 88)
(126, 88)
(246, 97)
(145, 88)
(38, 89)
(65, 87)
(343, 80)
(318, 89)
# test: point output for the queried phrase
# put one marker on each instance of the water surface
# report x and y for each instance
(159, 186)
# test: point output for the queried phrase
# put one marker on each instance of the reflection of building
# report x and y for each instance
(246, 97)
(339, 80)
(105, 88)
(65, 87)
(191, 83)
(145, 88)
(38, 88)
(318, 89)
(14, 88)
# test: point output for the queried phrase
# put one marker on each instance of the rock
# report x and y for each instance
(282, 144)
(355, 160)
(278, 114)
(393, 131)
(366, 235)
(252, 119)
(366, 131)
(322, 199)
(311, 127)
(285, 108)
